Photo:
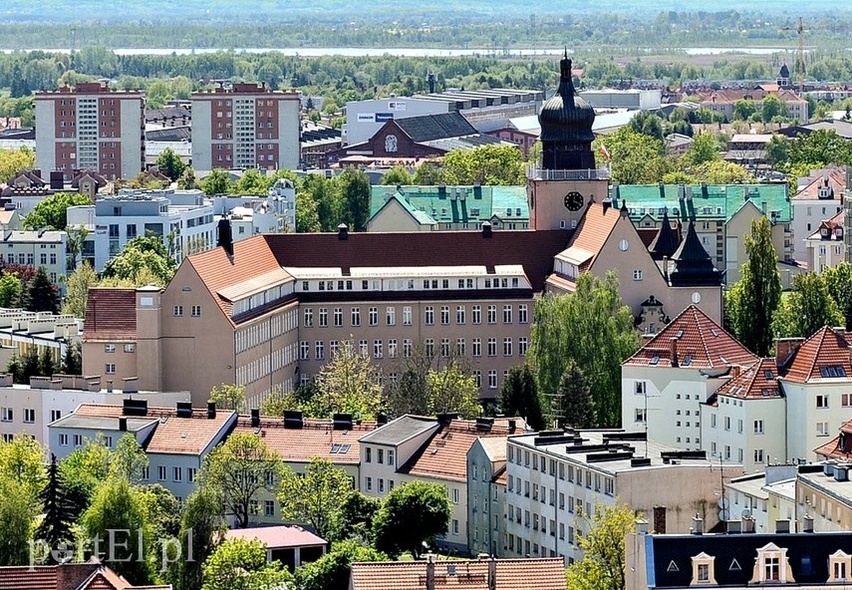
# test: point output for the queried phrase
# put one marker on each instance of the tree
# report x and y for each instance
(486, 165)
(22, 460)
(14, 161)
(238, 470)
(772, 107)
(16, 518)
(316, 497)
(603, 560)
(332, 570)
(704, 148)
(203, 522)
(307, 216)
(575, 396)
(252, 182)
(51, 212)
(29, 364)
(128, 460)
(412, 514)
(46, 364)
(838, 281)
(14, 368)
(752, 301)
(636, 158)
(143, 257)
(647, 123)
(777, 150)
(76, 240)
(40, 294)
(355, 517)
(240, 564)
(116, 507)
(428, 174)
(218, 182)
(396, 176)
(72, 361)
(354, 186)
(170, 164)
(593, 328)
(349, 383)
(744, 109)
(83, 471)
(77, 290)
(10, 290)
(229, 397)
(806, 309)
(55, 528)
(519, 397)
(186, 180)
(451, 390)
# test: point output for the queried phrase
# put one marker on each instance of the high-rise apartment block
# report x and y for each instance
(90, 127)
(246, 126)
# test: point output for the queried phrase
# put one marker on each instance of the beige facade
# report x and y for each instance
(548, 192)
(393, 216)
(735, 232)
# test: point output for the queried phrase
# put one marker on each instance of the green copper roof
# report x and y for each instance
(456, 204)
(701, 202)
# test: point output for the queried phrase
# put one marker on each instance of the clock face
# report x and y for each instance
(574, 201)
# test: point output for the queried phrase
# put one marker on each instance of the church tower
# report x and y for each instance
(567, 179)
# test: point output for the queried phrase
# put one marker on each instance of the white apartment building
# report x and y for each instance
(817, 199)
(33, 248)
(486, 496)
(824, 247)
(116, 219)
(90, 126)
(556, 479)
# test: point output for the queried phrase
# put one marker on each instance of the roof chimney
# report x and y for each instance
(430, 572)
(486, 229)
(342, 232)
(660, 519)
(512, 425)
(122, 424)
(225, 237)
(808, 524)
(697, 524)
(784, 348)
(735, 371)
(492, 574)
(673, 350)
(607, 204)
(255, 418)
(211, 410)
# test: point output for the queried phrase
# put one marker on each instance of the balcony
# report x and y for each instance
(536, 173)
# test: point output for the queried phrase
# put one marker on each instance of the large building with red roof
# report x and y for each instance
(69, 576)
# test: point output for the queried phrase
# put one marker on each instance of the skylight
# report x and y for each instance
(687, 360)
(654, 359)
(768, 374)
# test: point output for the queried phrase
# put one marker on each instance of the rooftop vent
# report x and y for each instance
(135, 407)
(292, 419)
(255, 418)
(486, 229)
(211, 410)
(342, 232)
(184, 410)
(341, 421)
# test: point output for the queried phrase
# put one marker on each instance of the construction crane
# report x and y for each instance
(800, 59)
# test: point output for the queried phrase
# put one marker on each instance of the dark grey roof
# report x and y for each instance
(399, 430)
(431, 127)
(451, 143)
(670, 556)
(693, 265)
(181, 133)
(666, 241)
(168, 113)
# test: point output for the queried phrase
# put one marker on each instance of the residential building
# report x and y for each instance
(556, 479)
(68, 576)
(245, 126)
(749, 150)
(90, 126)
(37, 248)
(418, 208)
(486, 496)
(21, 330)
(723, 101)
(819, 198)
(631, 98)
(666, 383)
(479, 574)
(176, 440)
(764, 501)
(183, 220)
(293, 546)
(840, 126)
(825, 246)
(808, 560)
(110, 339)
(823, 496)
(415, 448)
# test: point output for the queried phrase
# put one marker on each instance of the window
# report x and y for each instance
(445, 347)
(406, 347)
(455, 526)
(338, 317)
(109, 368)
(109, 347)
(641, 388)
(455, 495)
(178, 474)
(640, 415)
(507, 347)
(523, 316)
(190, 474)
(492, 347)
(29, 415)
(304, 350)
(492, 314)
(507, 314)
(129, 348)
(369, 456)
(460, 313)
(356, 317)
(406, 316)
(309, 318)
(369, 484)
(477, 314)
(445, 315)
(319, 349)
(55, 415)
(323, 317)
(758, 426)
(161, 473)
(822, 401)
(390, 458)
(477, 347)
(373, 314)
(492, 379)
(771, 568)
(269, 508)
(78, 440)
(178, 311)
(63, 440)
(846, 400)
(522, 346)
(390, 316)
(637, 274)
(196, 311)
(758, 455)
(822, 428)
(429, 315)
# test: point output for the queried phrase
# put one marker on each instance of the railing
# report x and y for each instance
(536, 173)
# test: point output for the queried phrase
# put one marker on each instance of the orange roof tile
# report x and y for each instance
(510, 574)
(315, 439)
(701, 344)
(836, 180)
(277, 537)
(592, 233)
(110, 314)
(760, 381)
(70, 576)
(827, 350)
(840, 447)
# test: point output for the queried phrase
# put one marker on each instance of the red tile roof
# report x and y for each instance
(701, 344)
(445, 455)
(278, 537)
(315, 439)
(836, 180)
(592, 233)
(70, 576)
(840, 447)
(760, 381)
(110, 314)
(511, 574)
(827, 349)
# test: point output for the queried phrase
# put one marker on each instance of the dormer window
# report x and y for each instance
(838, 233)
(703, 573)
(824, 232)
(839, 567)
(772, 566)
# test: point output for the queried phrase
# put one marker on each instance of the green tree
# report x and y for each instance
(519, 397)
(647, 123)
(412, 514)
(751, 302)
(396, 176)
(218, 182)
(575, 395)
(55, 527)
(170, 164)
(355, 517)
(744, 109)
(307, 216)
(117, 506)
(22, 460)
(806, 309)
(332, 570)
(77, 290)
(328, 199)
(240, 564)
(452, 390)
(772, 107)
(76, 240)
(14, 161)
(252, 182)
(128, 460)
(238, 470)
(72, 361)
(354, 186)
(316, 497)
(14, 368)
(838, 281)
(29, 364)
(46, 363)
(428, 174)
(143, 257)
(10, 290)
(186, 180)
(349, 383)
(51, 212)
(486, 165)
(593, 328)
(202, 524)
(777, 150)
(229, 397)
(83, 471)
(704, 148)
(40, 294)
(603, 562)
(16, 519)
(818, 149)
(636, 158)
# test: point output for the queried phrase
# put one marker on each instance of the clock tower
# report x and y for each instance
(567, 179)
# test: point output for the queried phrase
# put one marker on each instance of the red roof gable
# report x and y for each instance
(825, 355)
(592, 233)
(70, 576)
(760, 381)
(701, 344)
(110, 314)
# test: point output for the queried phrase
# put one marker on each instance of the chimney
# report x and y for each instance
(735, 371)
(512, 425)
(342, 232)
(122, 424)
(748, 525)
(660, 520)
(430, 79)
(808, 524)
(211, 410)
(607, 205)
(486, 229)
(641, 526)
(224, 236)
(697, 524)
(673, 350)
(492, 574)
(430, 572)
(666, 268)
(255, 418)
(381, 419)
(784, 347)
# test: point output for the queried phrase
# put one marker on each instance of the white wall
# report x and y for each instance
(45, 133)
(131, 137)
(202, 156)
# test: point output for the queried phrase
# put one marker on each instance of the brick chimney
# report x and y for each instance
(784, 347)
(673, 350)
(430, 572)
(492, 574)
(735, 371)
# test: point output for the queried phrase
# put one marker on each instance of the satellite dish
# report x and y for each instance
(746, 513)
(723, 503)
